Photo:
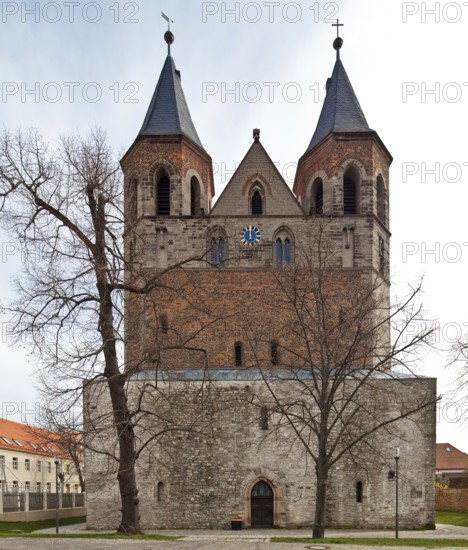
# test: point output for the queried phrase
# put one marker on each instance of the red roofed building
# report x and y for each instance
(27, 460)
(450, 462)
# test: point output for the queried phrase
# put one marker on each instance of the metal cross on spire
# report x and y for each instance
(169, 21)
(168, 36)
(338, 43)
(337, 25)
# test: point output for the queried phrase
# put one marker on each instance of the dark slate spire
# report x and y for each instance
(341, 111)
(168, 113)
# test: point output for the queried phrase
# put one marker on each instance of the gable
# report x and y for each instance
(257, 172)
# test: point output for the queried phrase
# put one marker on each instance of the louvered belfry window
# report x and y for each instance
(349, 196)
(257, 204)
(163, 199)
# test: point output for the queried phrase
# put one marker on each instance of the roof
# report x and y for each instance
(449, 457)
(28, 439)
(341, 111)
(168, 113)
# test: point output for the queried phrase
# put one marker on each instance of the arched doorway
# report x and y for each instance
(261, 505)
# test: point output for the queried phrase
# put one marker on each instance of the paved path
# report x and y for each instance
(250, 539)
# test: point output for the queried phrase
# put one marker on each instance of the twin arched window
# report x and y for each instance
(282, 248)
(218, 251)
(217, 247)
(283, 251)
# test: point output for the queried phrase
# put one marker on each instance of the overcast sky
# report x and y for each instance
(68, 66)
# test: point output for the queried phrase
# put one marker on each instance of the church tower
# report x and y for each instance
(167, 171)
(344, 174)
(168, 177)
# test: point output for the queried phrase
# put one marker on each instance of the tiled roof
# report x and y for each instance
(341, 111)
(449, 457)
(168, 113)
(27, 439)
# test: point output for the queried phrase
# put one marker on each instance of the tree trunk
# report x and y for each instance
(130, 522)
(318, 530)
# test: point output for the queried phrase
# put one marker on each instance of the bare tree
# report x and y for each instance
(65, 205)
(329, 333)
(65, 432)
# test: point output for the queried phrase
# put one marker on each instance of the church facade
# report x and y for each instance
(212, 353)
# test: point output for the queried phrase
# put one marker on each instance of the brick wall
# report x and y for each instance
(453, 500)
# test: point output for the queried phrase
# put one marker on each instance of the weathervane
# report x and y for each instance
(338, 43)
(168, 36)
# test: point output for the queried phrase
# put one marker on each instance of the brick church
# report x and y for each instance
(206, 346)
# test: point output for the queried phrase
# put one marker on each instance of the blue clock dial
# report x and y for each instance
(250, 235)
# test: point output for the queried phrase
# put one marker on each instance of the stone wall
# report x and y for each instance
(199, 472)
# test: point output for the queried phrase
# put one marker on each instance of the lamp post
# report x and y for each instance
(397, 458)
(56, 462)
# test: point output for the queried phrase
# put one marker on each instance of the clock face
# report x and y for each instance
(250, 235)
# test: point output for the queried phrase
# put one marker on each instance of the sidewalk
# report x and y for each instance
(263, 535)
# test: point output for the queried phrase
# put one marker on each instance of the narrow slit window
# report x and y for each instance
(274, 353)
(238, 354)
(359, 491)
(161, 492)
(264, 418)
(164, 324)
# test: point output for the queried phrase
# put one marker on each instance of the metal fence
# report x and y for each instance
(28, 502)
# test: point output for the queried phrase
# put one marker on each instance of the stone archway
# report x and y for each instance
(270, 479)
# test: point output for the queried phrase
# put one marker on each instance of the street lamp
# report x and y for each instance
(397, 458)
(56, 462)
(393, 476)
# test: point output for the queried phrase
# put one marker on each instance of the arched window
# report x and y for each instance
(359, 491)
(256, 203)
(381, 206)
(351, 181)
(282, 251)
(274, 353)
(316, 197)
(161, 492)
(238, 354)
(163, 197)
(194, 197)
(218, 251)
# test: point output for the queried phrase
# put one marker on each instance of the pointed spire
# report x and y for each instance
(168, 113)
(341, 111)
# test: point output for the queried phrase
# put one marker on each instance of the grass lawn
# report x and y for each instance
(8, 527)
(452, 518)
(26, 528)
(448, 518)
